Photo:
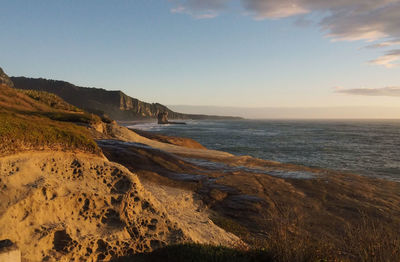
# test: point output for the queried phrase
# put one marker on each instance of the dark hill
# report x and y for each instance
(115, 104)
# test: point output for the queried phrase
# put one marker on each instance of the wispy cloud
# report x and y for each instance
(343, 20)
(199, 9)
(384, 91)
(384, 44)
(388, 60)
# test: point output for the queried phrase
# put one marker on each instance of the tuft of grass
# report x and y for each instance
(370, 240)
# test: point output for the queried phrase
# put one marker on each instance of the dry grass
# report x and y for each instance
(370, 240)
(366, 241)
(285, 239)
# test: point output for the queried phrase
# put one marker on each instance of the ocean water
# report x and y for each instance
(365, 147)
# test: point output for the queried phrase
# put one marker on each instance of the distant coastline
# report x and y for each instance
(113, 104)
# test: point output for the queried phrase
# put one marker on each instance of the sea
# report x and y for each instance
(365, 147)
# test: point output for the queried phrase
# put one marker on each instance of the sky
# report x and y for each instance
(216, 54)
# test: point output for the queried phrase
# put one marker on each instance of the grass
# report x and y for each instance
(62, 111)
(284, 239)
(83, 117)
(367, 241)
(21, 132)
(199, 253)
(50, 99)
(35, 120)
(230, 225)
(370, 240)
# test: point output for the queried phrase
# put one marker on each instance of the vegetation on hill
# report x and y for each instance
(40, 120)
(200, 253)
(369, 241)
(24, 131)
(51, 100)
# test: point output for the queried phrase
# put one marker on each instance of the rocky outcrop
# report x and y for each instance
(114, 104)
(179, 141)
(64, 206)
(60, 206)
(9, 252)
(162, 118)
(5, 80)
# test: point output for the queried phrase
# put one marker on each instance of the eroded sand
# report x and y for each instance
(64, 206)
(188, 211)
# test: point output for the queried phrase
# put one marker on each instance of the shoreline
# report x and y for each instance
(253, 194)
(329, 148)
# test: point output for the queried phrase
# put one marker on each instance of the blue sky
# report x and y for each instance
(241, 55)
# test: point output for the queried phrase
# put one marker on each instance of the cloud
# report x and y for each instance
(384, 91)
(198, 15)
(388, 60)
(384, 44)
(274, 9)
(199, 9)
(342, 20)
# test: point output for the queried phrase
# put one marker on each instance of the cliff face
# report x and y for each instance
(115, 104)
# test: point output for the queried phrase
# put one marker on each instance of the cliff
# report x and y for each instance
(115, 104)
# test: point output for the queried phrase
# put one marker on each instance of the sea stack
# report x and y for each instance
(162, 118)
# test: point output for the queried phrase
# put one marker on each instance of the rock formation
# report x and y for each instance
(76, 206)
(9, 252)
(162, 118)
